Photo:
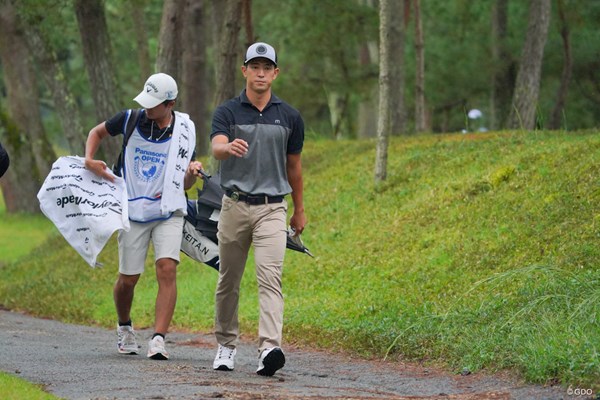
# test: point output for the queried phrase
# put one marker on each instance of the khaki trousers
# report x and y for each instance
(241, 225)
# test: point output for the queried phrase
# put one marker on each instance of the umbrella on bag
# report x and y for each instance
(200, 227)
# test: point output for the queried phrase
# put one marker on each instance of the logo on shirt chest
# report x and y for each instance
(148, 166)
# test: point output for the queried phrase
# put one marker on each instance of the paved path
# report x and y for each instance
(80, 362)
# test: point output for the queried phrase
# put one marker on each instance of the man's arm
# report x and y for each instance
(222, 148)
(294, 172)
(95, 137)
(192, 172)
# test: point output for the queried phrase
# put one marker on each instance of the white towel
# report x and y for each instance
(85, 208)
(182, 147)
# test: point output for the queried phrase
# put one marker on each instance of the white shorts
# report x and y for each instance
(133, 245)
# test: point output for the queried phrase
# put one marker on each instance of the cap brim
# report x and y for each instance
(147, 101)
(264, 58)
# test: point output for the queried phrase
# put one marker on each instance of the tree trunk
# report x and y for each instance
(22, 87)
(194, 73)
(248, 26)
(383, 121)
(31, 153)
(420, 119)
(561, 97)
(396, 65)
(95, 42)
(227, 53)
(141, 39)
(525, 97)
(503, 66)
(63, 99)
(22, 180)
(169, 40)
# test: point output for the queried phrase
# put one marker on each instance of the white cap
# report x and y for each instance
(261, 50)
(158, 88)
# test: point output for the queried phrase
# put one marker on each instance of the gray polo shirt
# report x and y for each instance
(271, 135)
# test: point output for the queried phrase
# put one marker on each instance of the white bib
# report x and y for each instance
(145, 167)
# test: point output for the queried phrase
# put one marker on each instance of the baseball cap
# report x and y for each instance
(158, 88)
(261, 50)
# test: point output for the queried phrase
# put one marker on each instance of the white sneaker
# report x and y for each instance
(270, 360)
(224, 359)
(126, 343)
(156, 349)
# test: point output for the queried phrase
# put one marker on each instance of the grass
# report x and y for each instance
(478, 252)
(15, 388)
(20, 233)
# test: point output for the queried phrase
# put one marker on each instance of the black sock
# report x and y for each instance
(128, 323)
(158, 334)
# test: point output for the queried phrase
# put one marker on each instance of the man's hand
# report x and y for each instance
(194, 168)
(238, 148)
(298, 222)
(191, 174)
(99, 168)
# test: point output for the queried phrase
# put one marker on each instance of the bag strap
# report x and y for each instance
(130, 122)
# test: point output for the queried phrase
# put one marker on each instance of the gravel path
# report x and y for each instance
(80, 362)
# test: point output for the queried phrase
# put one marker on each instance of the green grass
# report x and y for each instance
(15, 388)
(478, 252)
(20, 233)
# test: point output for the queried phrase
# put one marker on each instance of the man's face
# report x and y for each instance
(259, 74)
(161, 111)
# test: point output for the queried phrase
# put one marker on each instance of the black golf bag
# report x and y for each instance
(199, 240)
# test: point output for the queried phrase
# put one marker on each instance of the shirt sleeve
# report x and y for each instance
(116, 124)
(221, 123)
(296, 141)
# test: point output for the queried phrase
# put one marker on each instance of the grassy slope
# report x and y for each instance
(478, 252)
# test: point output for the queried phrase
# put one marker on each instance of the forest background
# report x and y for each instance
(70, 64)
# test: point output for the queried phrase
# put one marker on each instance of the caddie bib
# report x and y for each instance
(145, 165)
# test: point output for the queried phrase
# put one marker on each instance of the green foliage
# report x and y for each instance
(318, 47)
(12, 387)
(322, 43)
(478, 252)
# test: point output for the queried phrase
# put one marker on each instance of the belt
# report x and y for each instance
(252, 199)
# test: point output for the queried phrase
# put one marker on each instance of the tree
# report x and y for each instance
(561, 97)
(21, 124)
(170, 44)
(527, 87)
(396, 65)
(141, 39)
(248, 25)
(383, 120)
(56, 80)
(502, 65)
(97, 56)
(22, 180)
(420, 121)
(226, 54)
(194, 72)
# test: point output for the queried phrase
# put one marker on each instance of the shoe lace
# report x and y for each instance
(126, 336)
(225, 352)
(158, 344)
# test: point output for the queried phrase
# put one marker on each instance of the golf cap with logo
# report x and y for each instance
(261, 50)
(158, 88)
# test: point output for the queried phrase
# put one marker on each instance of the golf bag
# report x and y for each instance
(199, 240)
